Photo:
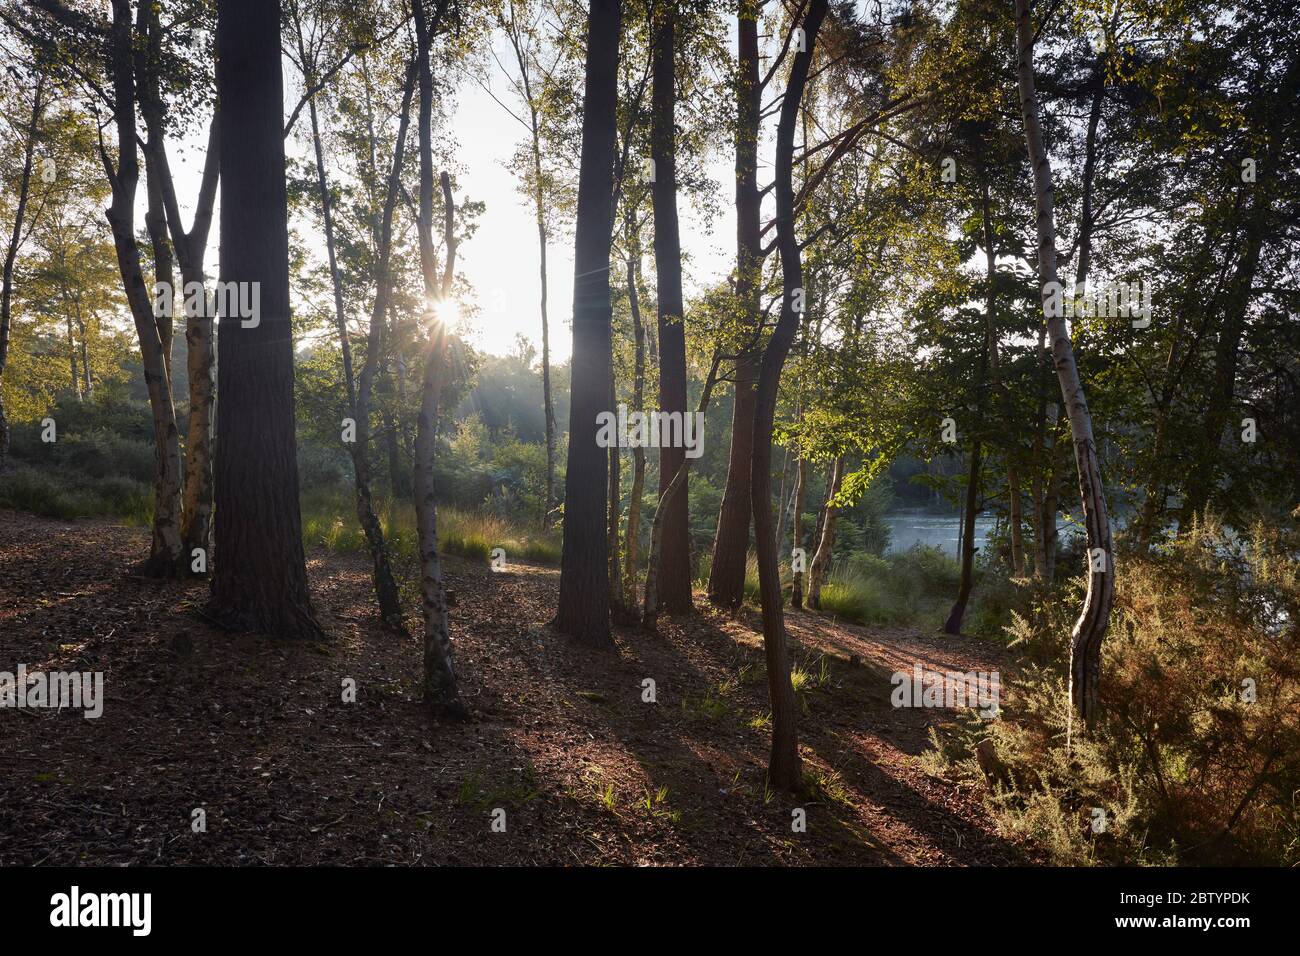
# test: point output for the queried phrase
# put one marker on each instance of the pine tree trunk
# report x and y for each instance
(675, 571)
(260, 581)
(583, 610)
(784, 767)
(1090, 630)
(731, 541)
(650, 614)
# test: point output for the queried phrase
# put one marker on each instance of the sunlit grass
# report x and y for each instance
(329, 519)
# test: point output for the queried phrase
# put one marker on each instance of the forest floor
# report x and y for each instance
(256, 732)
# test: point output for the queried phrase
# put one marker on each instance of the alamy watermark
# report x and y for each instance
(626, 429)
(1118, 300)
(53, 690)
(74, 909)
(926, 688)
(235, 300)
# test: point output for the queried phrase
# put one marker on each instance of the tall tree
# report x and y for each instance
(675, 569)
(784, 765)
(165, 557)
(584, 572)
(191, 249)
(440, 687)
(261, 576)
(632, 542)
(1090, 629)
(524, 43)
(14, 244)
(359, 391)
(731, 540)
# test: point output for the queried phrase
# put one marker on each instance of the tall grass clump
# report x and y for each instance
(914, 587)
(329, 519)
(64, 494)
(1196, 755)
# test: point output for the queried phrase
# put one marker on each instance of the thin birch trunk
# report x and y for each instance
(165, 557)
(632, 542)
(1090, 629)
(820, 568)
(796, 537)
(441, 691)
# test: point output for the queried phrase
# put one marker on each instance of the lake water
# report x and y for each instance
(908, 528)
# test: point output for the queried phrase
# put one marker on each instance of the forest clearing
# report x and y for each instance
(587, 772)
(672, 434)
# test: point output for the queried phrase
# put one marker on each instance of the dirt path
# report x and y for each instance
(257, 735)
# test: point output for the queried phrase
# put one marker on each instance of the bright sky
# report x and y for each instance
(501, 260)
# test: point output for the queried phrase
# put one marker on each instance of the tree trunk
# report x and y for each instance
(386, 592)
(1037, 487)
(548, 399)
(675, 571)
(85, 355)
(11, 250)
(614, 500)
(261, 577)
(731, 541)
(441, 690)
(525, 63)
(796, 535)
(969, 510)
(1014, 517)
(583, 610)
(783, 509)
(190, 249)
(821, 563)
(650, 615)
(155, 223)
(1052, 502)
(1090, 630)
(74, 380)
(784, 770)
(165, 557)
(632, 542)
(1203, 482)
